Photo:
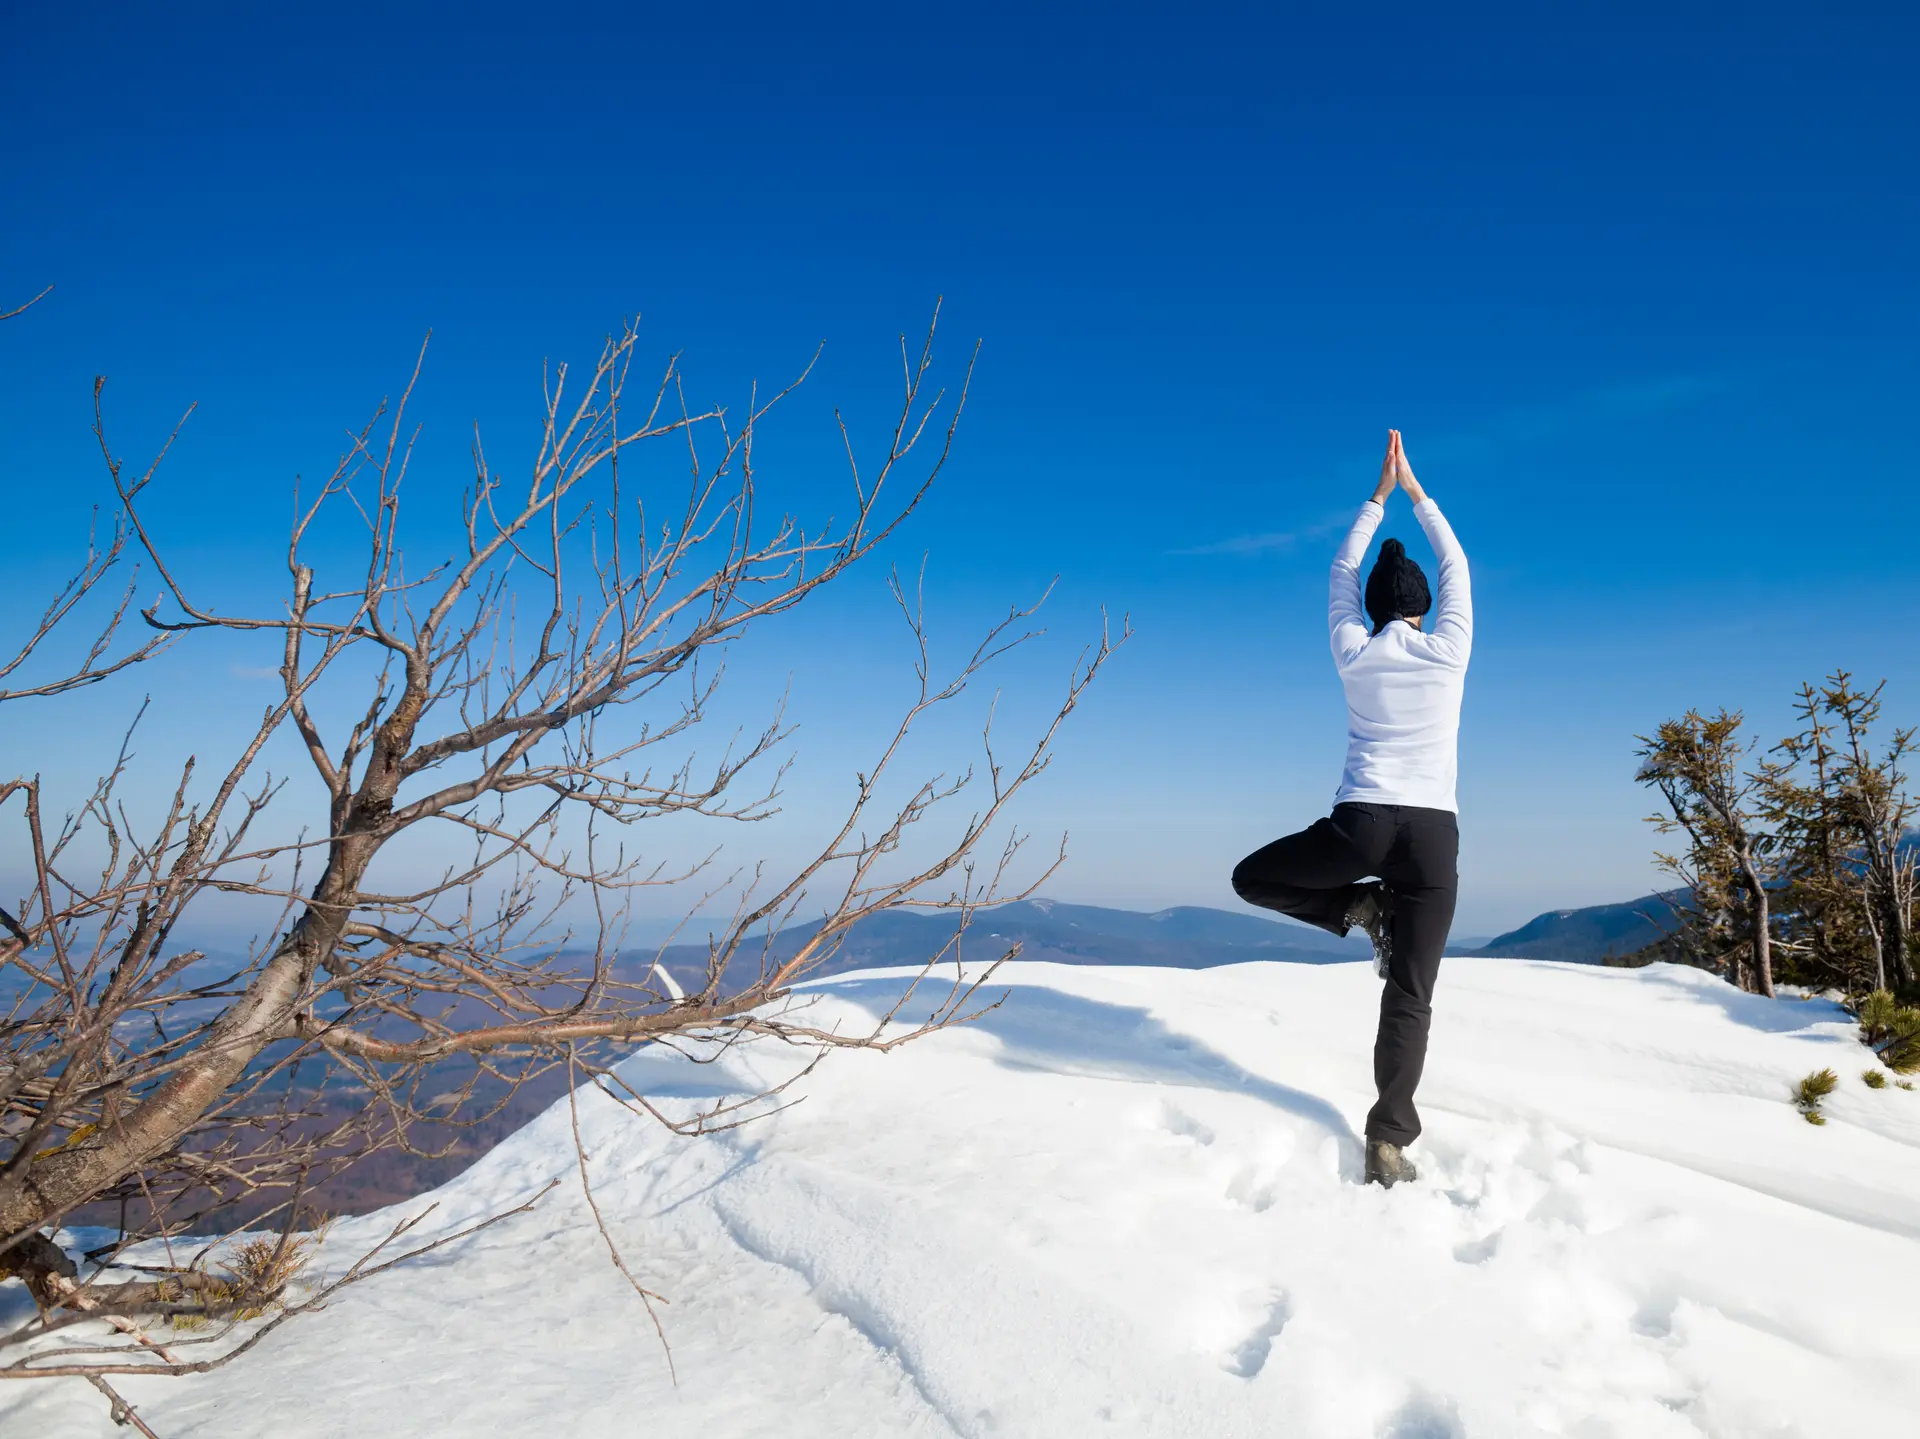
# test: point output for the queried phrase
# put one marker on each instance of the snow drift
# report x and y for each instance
(1126, 1203)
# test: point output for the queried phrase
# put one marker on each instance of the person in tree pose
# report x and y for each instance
(1395, 815)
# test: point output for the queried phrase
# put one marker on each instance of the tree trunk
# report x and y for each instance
(1897, 940)
(44, 1190)
(1758, 917)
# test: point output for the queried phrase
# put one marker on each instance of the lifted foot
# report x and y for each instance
(1372, 911)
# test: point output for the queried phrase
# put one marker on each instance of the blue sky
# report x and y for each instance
(1637, 285)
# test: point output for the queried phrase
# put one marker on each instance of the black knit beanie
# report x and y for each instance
(1397, 588)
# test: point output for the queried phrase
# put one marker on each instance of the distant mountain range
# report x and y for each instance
(1186, 937)
(1584, 936)
(1602, 931)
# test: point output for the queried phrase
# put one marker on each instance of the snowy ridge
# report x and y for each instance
(1125, 1203)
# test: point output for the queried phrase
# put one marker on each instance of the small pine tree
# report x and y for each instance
(1874, 1079)
(1891, 1031)
(1811, 1090)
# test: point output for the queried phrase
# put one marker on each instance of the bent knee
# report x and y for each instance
(1243, 881)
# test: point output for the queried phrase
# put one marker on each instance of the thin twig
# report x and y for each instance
(123, 1412)
(647, 1297)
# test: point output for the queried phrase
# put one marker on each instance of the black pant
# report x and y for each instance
(1311, 876)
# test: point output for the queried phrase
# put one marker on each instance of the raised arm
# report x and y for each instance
(1347, 626)
(1452, 624)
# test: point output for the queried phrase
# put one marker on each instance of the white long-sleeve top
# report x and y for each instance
(1403, 685)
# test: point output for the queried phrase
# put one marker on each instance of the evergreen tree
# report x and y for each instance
(1802, 869)
(1821, 932)
(1891, 1032)
(1876, 810)
(1695, 763)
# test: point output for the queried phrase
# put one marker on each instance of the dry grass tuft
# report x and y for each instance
(251, 1280)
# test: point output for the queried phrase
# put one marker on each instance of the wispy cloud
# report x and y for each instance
(1270, 542)
(1508, 430)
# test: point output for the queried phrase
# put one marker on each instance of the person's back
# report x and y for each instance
(1403, 684)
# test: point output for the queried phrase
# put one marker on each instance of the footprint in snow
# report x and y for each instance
(1250, 1355)
(1540, 1175)
(1424, 1416)
(1653, 1319)
(1178, 1121)
(1478, 1251)
(1253, 1187)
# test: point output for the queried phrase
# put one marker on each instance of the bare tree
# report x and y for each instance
(1695, 764)
(534, 695)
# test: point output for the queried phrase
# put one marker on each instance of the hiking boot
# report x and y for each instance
(1387, 1165)
(1372, 911)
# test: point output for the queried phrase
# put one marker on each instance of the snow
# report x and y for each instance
(1126, 1202)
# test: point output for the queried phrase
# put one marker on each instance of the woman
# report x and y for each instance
(1395, 813)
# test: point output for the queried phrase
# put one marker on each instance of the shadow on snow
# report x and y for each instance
(1058, 1033)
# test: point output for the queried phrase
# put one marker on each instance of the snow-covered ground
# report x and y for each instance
(1127, 1203)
